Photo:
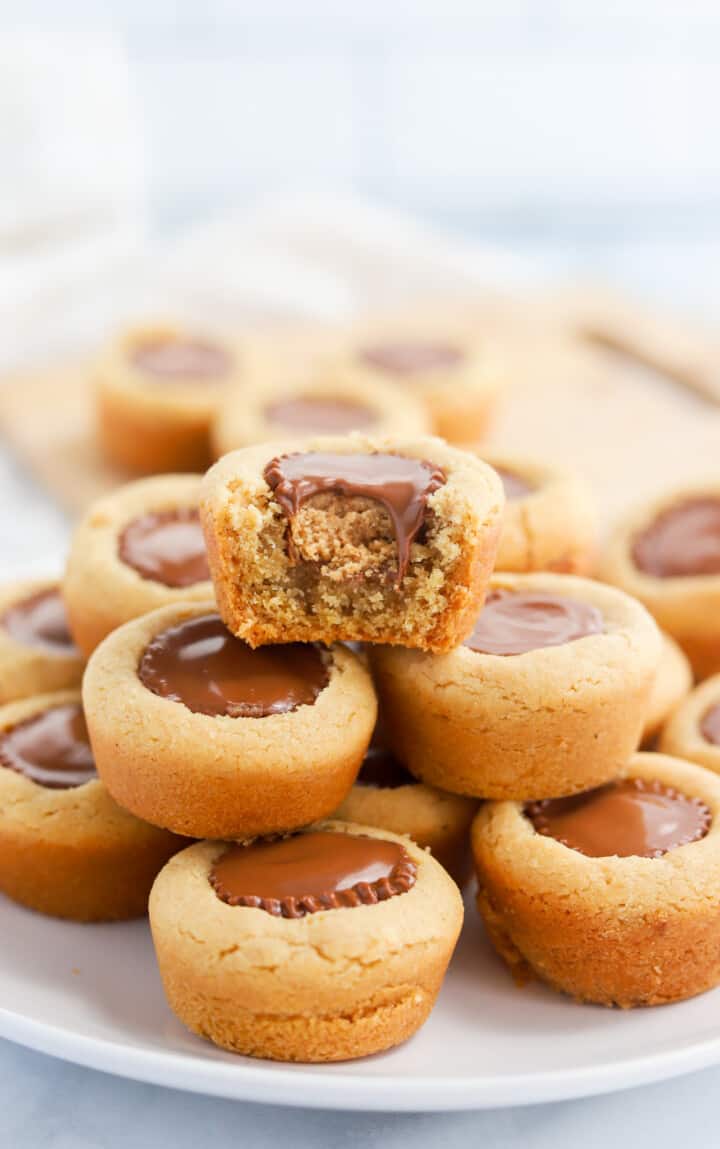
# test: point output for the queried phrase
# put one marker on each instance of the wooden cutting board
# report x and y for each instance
(581, 391)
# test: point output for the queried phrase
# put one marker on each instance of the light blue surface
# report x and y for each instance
(48, 1104)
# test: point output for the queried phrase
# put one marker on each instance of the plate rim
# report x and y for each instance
(309, 1090)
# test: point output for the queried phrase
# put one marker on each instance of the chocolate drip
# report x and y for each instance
(312, 871)
(682, 541)
(628, 818)
(51, 748)
(401, 485)
(167, 547)
(202, 665)
(40, 620)
(515, 622)
(320, 414)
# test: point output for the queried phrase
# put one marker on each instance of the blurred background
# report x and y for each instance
(578, 138)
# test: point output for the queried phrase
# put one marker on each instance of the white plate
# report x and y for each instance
(92, 994)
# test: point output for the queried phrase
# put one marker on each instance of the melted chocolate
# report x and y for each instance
(181, 360)
(321, 414)
(40, 620)
(401, 485)
(167, 547)
(682, 541)
(382, 770)
(514, 622)
(202, 665)
(710, 725)
(515, 486)
(629, 818)
(51, 748)
(317, 870)
(416, 358)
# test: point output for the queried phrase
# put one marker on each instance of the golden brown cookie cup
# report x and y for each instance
(688, 608)
(435, 821)
(24, 669)
(73, 853)
(542, 724)
(552, 527)
(222, 777)
(621, 931)
(101, 591)
(673, 681)
(333, 985)
(460, 399)
(682, 735)
(243, 418)
(149, 427)
(263, 596)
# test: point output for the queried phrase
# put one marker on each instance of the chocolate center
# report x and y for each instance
(381, 770)
(181, 360)
(514, 622)
(317, 413)
(710, 725)
(629, 818)
(40, 620)
(515, 486)
(401, 485)
(416, 358)
(317, 870)
(202, 665)
(684, 540)
(51, 748)
(167, 547)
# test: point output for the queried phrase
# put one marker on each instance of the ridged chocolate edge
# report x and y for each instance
(401, 878)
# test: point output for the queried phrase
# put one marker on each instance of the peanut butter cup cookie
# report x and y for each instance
(376, 540)
(458, 377)
(37, 652)
(388, 796)
(137, 549)
(547, 696)
(195, 731)
(668, 555)
(305, 407)
(610, 895)
(693, 730)
(673, 681)
(549, 521)
(66, 849)
(327, 945)
(158, 390)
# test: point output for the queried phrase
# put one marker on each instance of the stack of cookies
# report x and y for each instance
(325, 681)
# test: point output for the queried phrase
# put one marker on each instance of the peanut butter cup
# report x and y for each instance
(628, 818)
(320, 414)
(400, 484)
(313, 871)
(167, 547)
(416, 358)
(515, 622)
(609, 895)
(683, 541)
(179, 360)
(51, 748)
(40, 620)
(202, 665)
(710, 725)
